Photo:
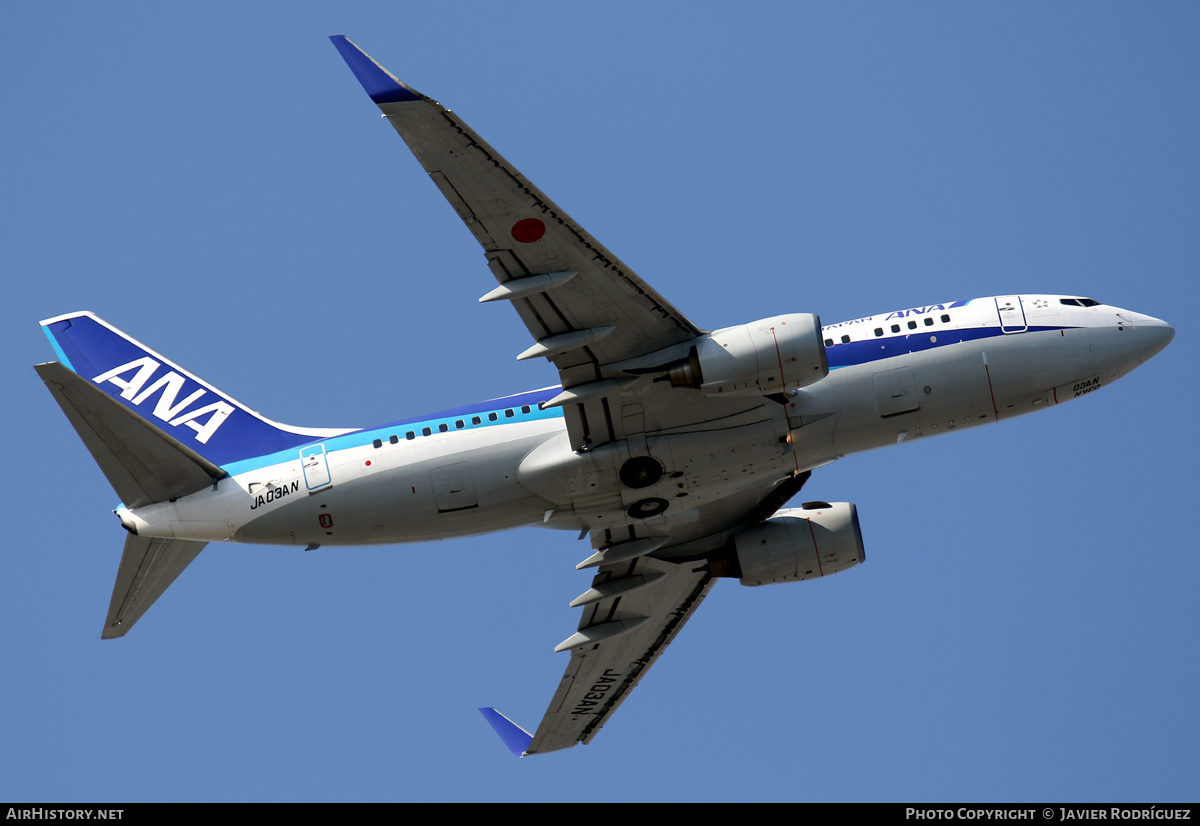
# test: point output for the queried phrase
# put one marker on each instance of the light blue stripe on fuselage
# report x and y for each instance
(362, 438)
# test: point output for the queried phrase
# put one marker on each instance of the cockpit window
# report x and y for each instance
(1079, 302)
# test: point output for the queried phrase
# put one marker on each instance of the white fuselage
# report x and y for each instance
(504, 464)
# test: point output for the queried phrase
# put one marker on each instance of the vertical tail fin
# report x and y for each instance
(167, 397)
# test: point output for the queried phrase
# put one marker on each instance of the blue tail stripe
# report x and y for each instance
(58, 351)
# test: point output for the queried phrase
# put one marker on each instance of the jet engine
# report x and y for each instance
(772, 355)
(795, 544)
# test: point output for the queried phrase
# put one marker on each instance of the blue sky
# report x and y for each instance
(213, 180)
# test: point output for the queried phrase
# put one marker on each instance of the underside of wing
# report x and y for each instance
(646, 587)
(631, 613)
(562, 281)
(584, 308)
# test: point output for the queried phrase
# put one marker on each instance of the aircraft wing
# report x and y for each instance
(582, 305)
(631, 613)
(594, 319)
(525, 235)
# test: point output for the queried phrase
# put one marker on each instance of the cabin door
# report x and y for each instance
(316, 467)
(1012, 314)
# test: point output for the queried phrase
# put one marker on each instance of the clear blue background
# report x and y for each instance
(212, 179)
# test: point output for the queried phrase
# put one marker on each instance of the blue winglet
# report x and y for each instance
(516, 738)
(380, 84)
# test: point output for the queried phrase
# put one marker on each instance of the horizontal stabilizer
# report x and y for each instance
(148, 567)
(143, 464)
(516, 738)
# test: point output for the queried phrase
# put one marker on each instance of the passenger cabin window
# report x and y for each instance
(928, 322)
(460, 424)
(394, 439)
(476, 420)
(425, 431)
(912, 325)
(524, 408)
(508, 414)
(878, 331)
(828, 342)
(895, 328)
(845, 339)
(378, 443)
(945, 319)
(443, 427)
(492, 417)
(410, 435)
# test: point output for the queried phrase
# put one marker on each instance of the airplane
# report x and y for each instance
(674, 449)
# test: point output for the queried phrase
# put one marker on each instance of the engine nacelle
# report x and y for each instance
(772, 355)
(800, 543)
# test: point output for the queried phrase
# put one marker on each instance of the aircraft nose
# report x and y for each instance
(1153, 335)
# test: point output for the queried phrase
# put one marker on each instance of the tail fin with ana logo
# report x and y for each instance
(165, 396)
(158, 433)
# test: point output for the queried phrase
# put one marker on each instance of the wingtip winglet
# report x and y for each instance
(516, 738)
(379, 83)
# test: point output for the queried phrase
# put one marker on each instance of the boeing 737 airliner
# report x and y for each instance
(674, 448)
